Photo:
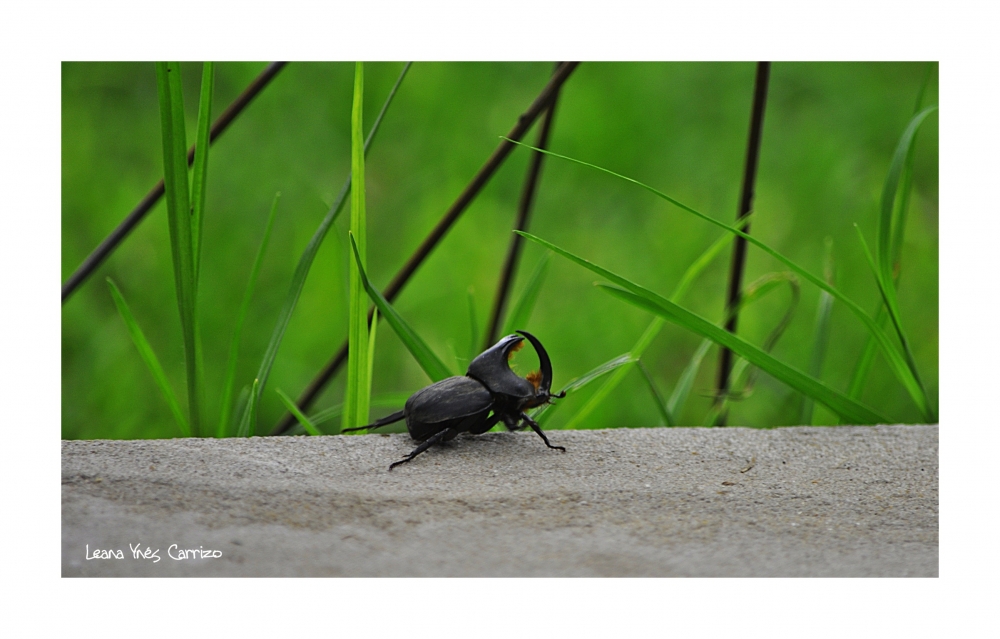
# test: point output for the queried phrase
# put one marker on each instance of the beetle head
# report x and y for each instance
(491, 368)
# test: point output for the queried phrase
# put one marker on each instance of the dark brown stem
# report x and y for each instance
(111, 242)
(746, 205)
(523, 213)
(480, 180)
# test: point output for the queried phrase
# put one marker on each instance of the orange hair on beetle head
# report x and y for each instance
(535, 377)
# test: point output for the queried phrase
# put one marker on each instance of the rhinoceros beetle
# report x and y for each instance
(490, 392)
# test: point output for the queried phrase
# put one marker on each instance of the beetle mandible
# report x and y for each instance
(490, 392)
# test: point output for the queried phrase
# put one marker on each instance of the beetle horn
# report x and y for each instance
(543, 362)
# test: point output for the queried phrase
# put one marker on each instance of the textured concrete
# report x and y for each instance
(844, 501)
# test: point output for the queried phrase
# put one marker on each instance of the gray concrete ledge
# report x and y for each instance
(843, 501)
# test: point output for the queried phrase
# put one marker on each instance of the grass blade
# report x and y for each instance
(473, 327)
(835, 400)
(371, 355)
(199, 176)
(888, 297)
(683, 389)
(896, 361)
(234, 347)
(149, 357)
(358, 390)
(821, 333)
(543, 413)
(309, 254)
(668, 419)
(692, 272)
(756, 290)
(428, 361)
(294, 410)
(521, 313)
(248, 424)
(841, 404)
(889, 191)
(860, 374)
(175, 181)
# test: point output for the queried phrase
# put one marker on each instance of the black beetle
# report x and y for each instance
(489, 393)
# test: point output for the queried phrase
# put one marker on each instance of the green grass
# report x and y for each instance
(830, 146)
(358, 391)
(902, 364)
(150, 358)
(644, 298)
(182, 235)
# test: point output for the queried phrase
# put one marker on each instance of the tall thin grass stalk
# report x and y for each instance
(467, 196)
(309, 254)
(358, 385)
(138, 214)
(746, 205)
(181, 236)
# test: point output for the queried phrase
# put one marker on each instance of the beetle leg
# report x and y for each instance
(430, 441)
(538, 429)
(485, 425)
(395, 417)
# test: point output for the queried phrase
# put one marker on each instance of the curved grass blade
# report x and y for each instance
(836, 401)
(889, 191)
(692, 272)
(149, 357)
(543, 413)
(294, 410)
(175, 180)
(309, 254)
(428, 361)
(670, 311)
(888, 297)
(677, 399)
(234, 347)
(521, 312)
(896, 361)
(756, 290)
(861, 370)
(358, 391)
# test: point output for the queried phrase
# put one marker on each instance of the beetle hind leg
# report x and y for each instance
(389, 419)
(538, 429)
(436, 438)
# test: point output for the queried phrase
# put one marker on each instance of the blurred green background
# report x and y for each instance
(829, 134)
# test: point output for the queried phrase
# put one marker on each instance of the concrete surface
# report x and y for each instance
(842, 501)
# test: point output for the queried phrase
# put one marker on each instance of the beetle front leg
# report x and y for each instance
(433, 439)
(538, 429)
